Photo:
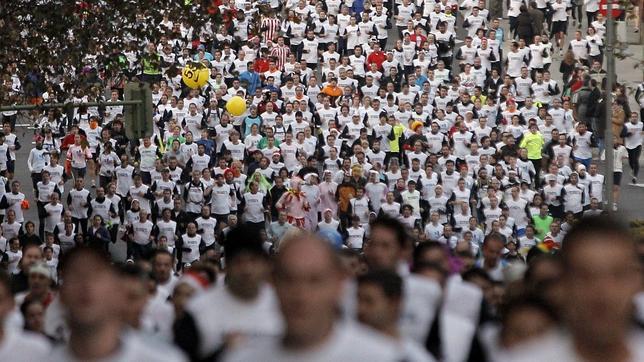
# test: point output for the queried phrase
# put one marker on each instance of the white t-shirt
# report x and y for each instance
(583, 143)
(635, 139)
(558, 346)
(433, 232)
(596, 186)
(54, 216)
(142, 232)
(23, 346)
(619, 155)
(15, 204)
(192, 243)
(260, 317)
(421, 297)
(355, 237)
(220, 199)
(157, 318)
(207, 228)
(254, 209)
(347, 342)
(134, 347)
(414, 352)
(328, 226)
(14, 259)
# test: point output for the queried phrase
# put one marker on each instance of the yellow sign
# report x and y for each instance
(195, 75)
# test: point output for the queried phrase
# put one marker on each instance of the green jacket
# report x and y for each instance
(533, 142)
(542, 226)
(151, 64)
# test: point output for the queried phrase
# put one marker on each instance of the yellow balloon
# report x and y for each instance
(195, 75)
(236, 106)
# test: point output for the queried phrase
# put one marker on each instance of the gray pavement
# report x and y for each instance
(25, 135)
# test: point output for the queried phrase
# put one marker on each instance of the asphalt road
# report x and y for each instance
(118, 249)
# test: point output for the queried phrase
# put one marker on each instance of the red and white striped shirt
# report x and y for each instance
(281, 53)
(271, 26)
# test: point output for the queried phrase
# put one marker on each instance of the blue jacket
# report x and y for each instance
(252, 79)
(357, 7)
(421, 80)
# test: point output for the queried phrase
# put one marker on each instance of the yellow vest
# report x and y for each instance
(533, 142)
(150, 66)
(394, 145)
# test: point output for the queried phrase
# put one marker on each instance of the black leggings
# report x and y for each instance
(537, 171)
(634, 159)
(576, 13)
(591, 16)
(383, 43)
(104, 181)
(36, 177)
(42, 214)
(81, 224)
(513, 26)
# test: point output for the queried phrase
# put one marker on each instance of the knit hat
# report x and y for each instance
(40, 268)
(196, 281)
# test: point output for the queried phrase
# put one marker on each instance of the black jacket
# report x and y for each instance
(525, 28)
(19, 282)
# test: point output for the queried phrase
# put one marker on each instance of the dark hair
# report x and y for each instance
(598, 226)
(134, 271)
(493, 236)
(205, 269)
(419, 265)
(242, 240)
(421, 248)
(28, 245)
(5, 282)
(161, 251)
(394, 225)
(26, 304)
(472, 273)
(100, 257)
(388, 281)
(516, 304)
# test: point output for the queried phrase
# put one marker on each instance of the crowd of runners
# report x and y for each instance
(410, 181)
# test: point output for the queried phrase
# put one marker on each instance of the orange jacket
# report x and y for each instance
(332, 91)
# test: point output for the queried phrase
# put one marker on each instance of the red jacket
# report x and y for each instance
(419, 39)
(261, 65)
(377, 57)
(68, 140)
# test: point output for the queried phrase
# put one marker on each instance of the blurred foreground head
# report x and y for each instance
(91, 291)
(308, 280)
(601, 275)
(247, 263)
(380, 300)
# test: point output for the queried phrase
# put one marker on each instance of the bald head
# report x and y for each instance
(308, 247)
(308, 281)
